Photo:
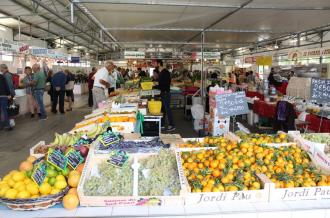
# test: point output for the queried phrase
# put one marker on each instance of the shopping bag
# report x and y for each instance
(12, 109)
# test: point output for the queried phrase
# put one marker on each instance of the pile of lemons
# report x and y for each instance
(16, 184)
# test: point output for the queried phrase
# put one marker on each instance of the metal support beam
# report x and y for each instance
(221, 19)
(178, 43)
(197, 4)
(189, 30)
(45, 6)
(19, 28)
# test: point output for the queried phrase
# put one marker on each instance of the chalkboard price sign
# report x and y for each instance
(232, 104)
(118, 158)
(39, 174)
(57, 159)
(74, 158)
(320, 90)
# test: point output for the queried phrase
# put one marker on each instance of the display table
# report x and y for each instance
(268, 110)
(294, 209)
(80, 89)
(22, 100)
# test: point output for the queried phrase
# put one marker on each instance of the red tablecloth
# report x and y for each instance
(254, 94)
(282, 88)
(190, 90)
(268, 110)
(264, 109)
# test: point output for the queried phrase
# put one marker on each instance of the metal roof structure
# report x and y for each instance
(109, 25)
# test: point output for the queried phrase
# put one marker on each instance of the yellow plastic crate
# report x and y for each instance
(147, 85)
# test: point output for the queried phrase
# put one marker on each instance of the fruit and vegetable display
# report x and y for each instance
(263, 138)
(207, 142)
(158, 175)
(234, 166)
(109, 180)
(323, 138)
(140, 146)
(39, 180)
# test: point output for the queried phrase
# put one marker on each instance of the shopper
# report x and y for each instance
(271, 79)
(113, 80)
(10, 82)
(69, 88)
(9, 78)
(101, 83)
(58, 84)
(48, 86)
(90, 86)
(5, 96)
(39, 82)
(165, 94)
(28, 84)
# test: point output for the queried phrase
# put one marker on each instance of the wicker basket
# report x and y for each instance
(35, 203)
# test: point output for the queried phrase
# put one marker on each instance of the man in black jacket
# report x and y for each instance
(165, 94)
(4, 97)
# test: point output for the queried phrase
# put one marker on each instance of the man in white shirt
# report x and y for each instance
(113, 80)
(101, 83)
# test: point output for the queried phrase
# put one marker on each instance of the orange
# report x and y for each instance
(25, 166)
(70, 201)
(80, 167)
(216, 173)
(73, 191)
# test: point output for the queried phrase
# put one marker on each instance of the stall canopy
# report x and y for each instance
(108, 25)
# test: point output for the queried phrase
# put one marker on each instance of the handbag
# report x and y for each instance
(47, 87)
(12, 109)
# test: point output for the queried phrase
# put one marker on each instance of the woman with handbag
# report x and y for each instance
(28, 84)
(4, 99)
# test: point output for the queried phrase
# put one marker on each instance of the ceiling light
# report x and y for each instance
(276, 46)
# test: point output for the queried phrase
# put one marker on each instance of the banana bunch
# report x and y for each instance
(66, 139)
(96, 130)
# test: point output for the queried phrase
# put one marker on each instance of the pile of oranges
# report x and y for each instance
(232, 166)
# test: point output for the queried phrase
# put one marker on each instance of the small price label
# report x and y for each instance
(118, 158)
(109, 138)
(74, 158)
(57, 159)
(39, 174)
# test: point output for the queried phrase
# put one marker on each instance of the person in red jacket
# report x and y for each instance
(90, 86)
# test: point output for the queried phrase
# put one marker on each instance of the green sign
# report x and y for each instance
(57, 159)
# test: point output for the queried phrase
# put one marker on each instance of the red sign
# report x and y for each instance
(24, 48)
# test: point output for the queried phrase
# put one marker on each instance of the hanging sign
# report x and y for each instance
(75, 60)
(232, 104)
(24, 48)
(264, 61)
(320, 90)
(134, 55)
(207, 55)
(8, 47)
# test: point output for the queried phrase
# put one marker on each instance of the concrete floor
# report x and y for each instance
(15, 145)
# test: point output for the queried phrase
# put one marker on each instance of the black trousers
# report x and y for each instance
(90, 98)
(58, 96)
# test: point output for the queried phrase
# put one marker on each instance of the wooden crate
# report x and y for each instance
(250, 196)
(133, 200)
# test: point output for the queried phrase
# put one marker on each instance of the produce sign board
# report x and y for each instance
(320, 90)
(118, 158)
(74, 158)
(232, 104)
(39, 174)
(108, 138)
(57, 159)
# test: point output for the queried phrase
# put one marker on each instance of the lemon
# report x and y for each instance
(23, 194)
(12, 172)
(7, 177)
(18, 184)
(35, 196)
(27, 181)
(11, 193)
(46, 179)
(60, 184)
(3, 183)
(19, 176)
(60, 177)
(11, 182)
(54, 191)
(3, 190)
(33, 189)
(45, 189)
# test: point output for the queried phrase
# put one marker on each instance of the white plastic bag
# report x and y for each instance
(197, 111)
